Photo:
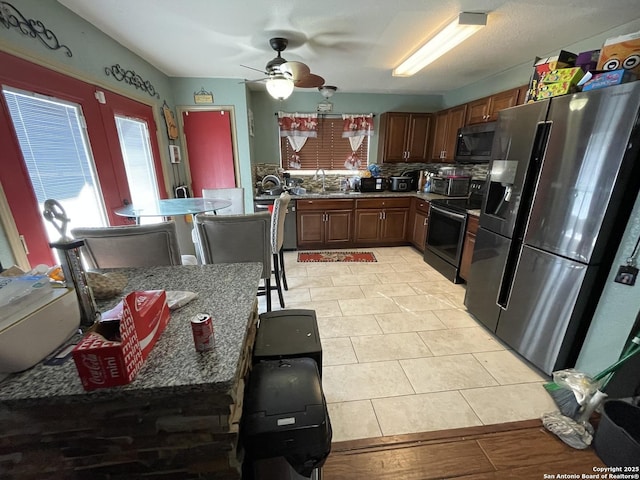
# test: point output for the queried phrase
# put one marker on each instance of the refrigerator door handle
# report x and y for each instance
(508, 275)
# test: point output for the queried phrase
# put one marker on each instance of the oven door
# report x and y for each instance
(446, 232)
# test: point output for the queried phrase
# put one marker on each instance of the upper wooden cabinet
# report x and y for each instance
(445, 133)
(522, 94)
(486, 109)
(404, 137)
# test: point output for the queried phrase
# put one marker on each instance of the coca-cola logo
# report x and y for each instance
(140, 301)
(92, 363)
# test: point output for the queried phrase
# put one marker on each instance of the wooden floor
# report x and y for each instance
(518, 450)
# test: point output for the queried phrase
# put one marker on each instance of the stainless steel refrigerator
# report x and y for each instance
(564, 175)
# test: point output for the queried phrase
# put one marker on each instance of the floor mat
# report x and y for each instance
(336, 257)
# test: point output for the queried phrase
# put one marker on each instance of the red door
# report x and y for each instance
(210, 150)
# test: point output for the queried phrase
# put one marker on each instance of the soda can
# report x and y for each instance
(202, 328)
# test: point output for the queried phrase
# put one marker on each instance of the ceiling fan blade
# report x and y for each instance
(258, 80)
(310, 81)
(295, 70)
(256, 69)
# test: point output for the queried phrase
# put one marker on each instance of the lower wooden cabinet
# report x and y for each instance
(381, 221)
(324, 223)
(418, 223)
(469, 244)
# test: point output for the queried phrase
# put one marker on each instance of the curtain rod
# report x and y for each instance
(338, 115)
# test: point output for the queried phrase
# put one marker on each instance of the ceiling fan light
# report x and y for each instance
(280, 87)
(327, 91)
(451, 36)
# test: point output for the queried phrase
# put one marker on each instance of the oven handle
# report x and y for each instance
(447, 213)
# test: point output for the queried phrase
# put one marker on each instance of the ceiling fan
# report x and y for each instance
(283, 76)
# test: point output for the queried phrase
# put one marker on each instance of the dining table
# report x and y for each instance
(171, 207)
(183, 210)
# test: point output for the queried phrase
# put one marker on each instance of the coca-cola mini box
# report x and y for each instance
(113, 351)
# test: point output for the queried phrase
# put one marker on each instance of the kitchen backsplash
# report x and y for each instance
(332, 181)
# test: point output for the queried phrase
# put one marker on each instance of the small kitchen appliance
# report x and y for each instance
(401, 184)
(373, 184)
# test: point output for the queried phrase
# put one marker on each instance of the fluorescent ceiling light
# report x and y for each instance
(280, 87)
(453, 34)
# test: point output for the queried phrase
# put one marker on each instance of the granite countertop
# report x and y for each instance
(226, 292)
(355, 195)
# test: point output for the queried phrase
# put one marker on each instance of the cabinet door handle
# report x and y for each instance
(424, 222)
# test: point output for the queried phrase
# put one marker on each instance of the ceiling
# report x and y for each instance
(353, 44)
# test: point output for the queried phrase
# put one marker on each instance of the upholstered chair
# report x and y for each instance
(239, 239)
(129, 246)
(280, 206)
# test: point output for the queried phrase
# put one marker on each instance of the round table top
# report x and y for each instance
(170, 207)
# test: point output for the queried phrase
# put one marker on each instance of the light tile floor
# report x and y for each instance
(400, 352)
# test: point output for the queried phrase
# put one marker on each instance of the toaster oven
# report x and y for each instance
(451, 186)
(373, 184)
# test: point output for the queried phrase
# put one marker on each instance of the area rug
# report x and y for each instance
(336, 257)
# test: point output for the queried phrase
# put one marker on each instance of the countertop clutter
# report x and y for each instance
(226, 292)
(181, 413)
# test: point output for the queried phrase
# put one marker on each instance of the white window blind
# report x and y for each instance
(138, 162)
(52, 143)
(328, 150)
(55, 149)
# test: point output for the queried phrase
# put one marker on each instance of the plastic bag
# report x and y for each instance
(581, 384)
(177, 299)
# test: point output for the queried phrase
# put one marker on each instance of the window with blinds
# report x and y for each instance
(328, 150)
(56, 151)
(138, 163)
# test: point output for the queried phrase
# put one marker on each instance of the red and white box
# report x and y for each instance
(113, 351)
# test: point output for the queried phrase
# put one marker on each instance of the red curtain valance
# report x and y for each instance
(298, 124)
(357, 125)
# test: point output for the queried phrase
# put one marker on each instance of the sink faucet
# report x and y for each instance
(315, 177)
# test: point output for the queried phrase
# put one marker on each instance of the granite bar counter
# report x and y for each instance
(181, 412)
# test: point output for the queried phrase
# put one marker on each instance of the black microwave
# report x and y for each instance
(474, 142)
